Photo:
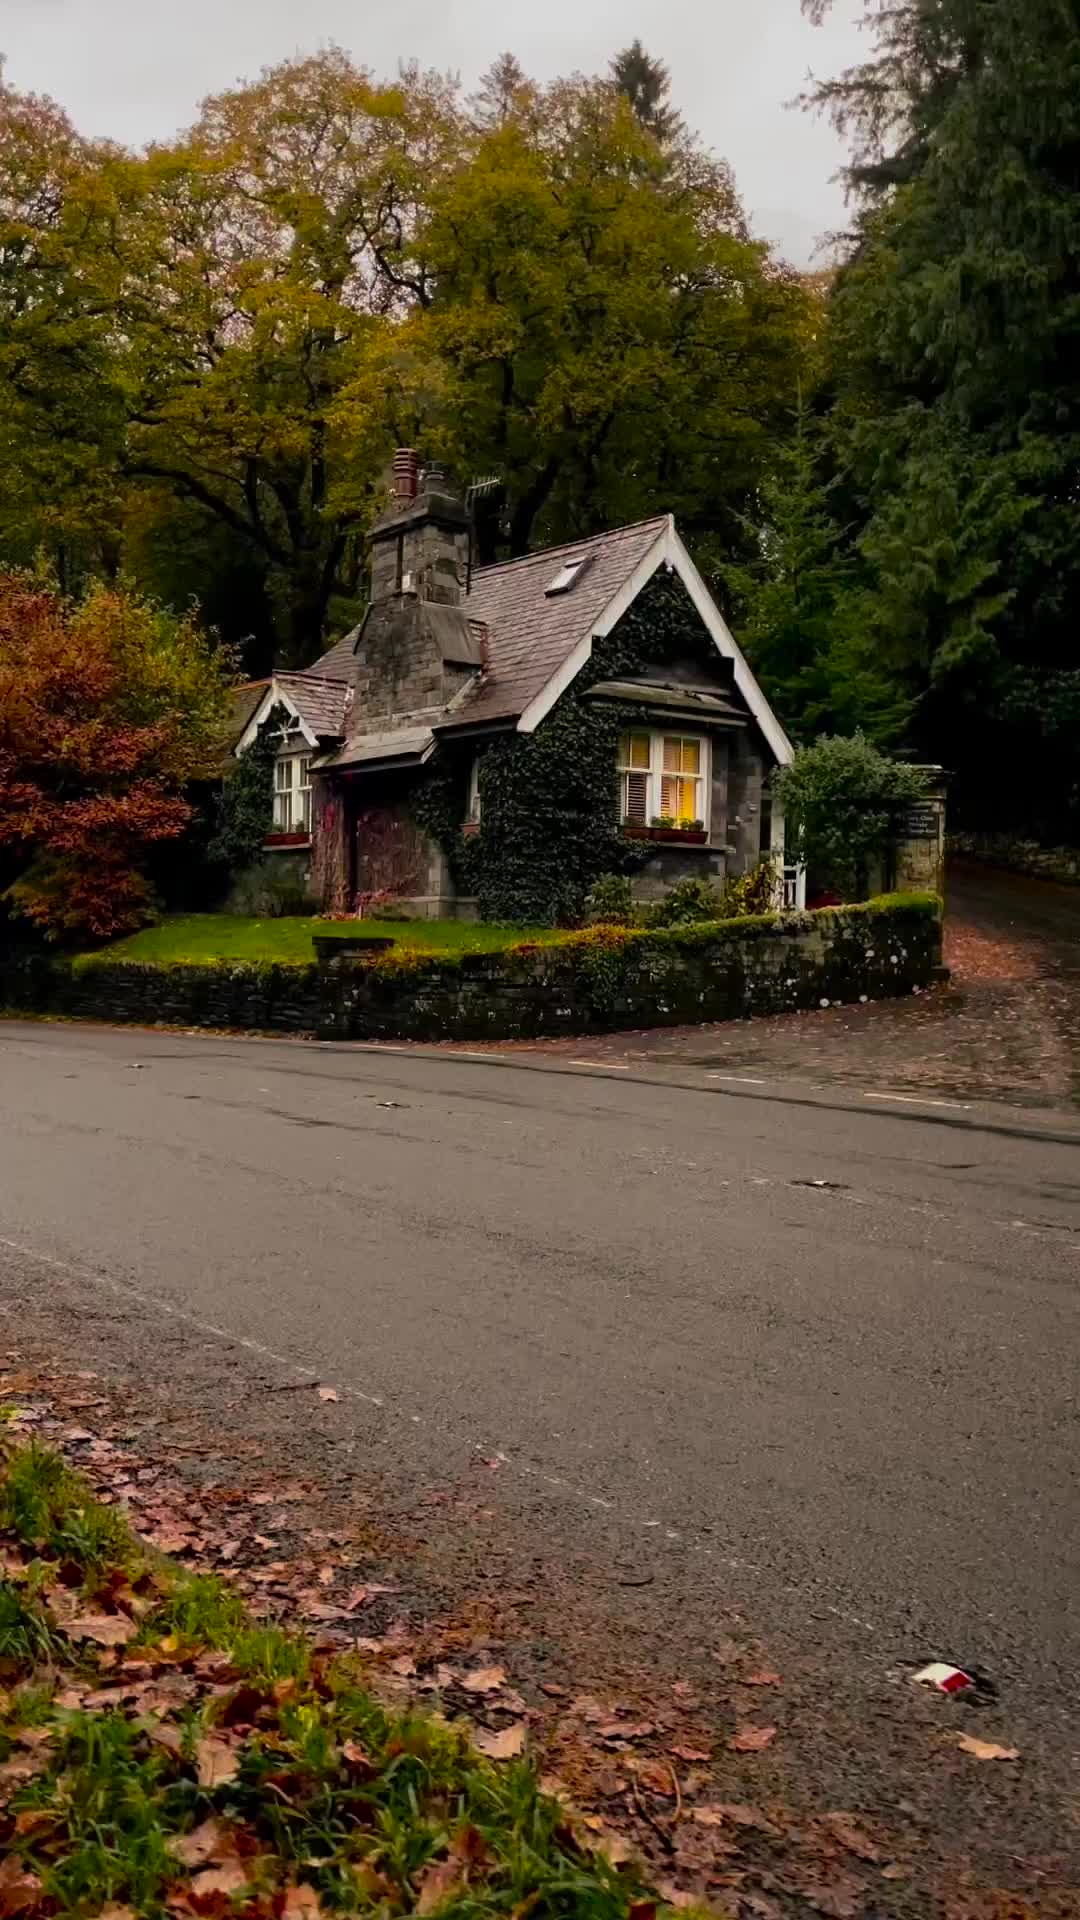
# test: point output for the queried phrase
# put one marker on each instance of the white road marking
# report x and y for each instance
(737, 1079)
(919, 1100)
(608, 1066)
(153, 1301)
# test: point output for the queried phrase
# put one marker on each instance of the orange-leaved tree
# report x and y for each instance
(110, 708)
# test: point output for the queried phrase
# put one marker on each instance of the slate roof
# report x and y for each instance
(530, 636)
(243, 701)
(527, 635)
(320, 700)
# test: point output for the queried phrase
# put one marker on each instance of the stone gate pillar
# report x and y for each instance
(920, 847)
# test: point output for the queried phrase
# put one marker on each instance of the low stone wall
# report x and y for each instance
(600, 979)
(1019, 856)
(275, 999)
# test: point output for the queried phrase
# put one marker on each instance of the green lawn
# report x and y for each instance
(226, 936)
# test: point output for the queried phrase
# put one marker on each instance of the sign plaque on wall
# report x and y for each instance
(922, 821)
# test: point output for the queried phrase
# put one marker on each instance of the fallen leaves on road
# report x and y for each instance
(484, 1680)
(985, 1749)
(608, 1750)
(751, 1739)
(843, 1828)
(505, 1744)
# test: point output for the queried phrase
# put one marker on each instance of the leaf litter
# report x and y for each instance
(645, 1812)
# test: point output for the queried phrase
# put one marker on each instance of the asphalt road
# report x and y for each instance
(851, 1403)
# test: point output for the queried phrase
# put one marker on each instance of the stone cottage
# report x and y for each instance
(575, 711)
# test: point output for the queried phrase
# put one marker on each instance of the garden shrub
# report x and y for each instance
(843, 803)
(688, 900)
(271, 890)
(753, 892)
(610, 901)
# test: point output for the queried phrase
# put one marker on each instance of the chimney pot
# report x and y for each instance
(406, 468)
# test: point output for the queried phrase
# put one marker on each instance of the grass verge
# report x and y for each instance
(196, 937)
(162, 1754)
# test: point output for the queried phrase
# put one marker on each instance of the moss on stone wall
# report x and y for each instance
(601, 977)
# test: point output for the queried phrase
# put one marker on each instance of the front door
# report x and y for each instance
(391, 855)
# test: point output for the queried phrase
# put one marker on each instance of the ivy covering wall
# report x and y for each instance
(245, 808)
(549, 820)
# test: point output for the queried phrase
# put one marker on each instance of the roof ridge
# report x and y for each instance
(303, 673)
(584, 540)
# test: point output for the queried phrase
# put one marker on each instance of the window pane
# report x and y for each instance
(304, 821)
(634, 751)
(682, 756)
(282, 774)
(635, 798)
(304, 770)
(679, 798)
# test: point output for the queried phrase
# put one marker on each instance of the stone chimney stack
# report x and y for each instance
(406, 473)
(420, 544)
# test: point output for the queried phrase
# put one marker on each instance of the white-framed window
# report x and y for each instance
(663, 779)
(292, 793)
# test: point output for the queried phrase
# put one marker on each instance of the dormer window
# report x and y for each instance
(567, 575)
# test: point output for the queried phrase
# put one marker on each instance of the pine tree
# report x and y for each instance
(955, 346)
(646, 83)
(500, 92)
(800, 606)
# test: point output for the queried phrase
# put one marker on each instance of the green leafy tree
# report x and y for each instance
(601, 335)
(61, 404)
(843, 801)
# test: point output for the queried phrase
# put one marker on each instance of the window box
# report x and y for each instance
(277, 840)
(683, 836)
(677, 836)
(470, 828)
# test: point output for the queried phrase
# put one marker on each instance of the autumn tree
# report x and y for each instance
(214, 345)
(264, 248)
(109, 709)
(600, 333)
(501, 92)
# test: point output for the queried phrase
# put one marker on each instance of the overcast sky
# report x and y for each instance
(136, 69)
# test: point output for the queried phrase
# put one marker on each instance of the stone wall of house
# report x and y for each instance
(602, 978)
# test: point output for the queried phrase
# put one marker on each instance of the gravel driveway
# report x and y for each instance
(1006, 1028)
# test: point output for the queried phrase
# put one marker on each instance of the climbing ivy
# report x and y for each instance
(549, 821)
(245, 805)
